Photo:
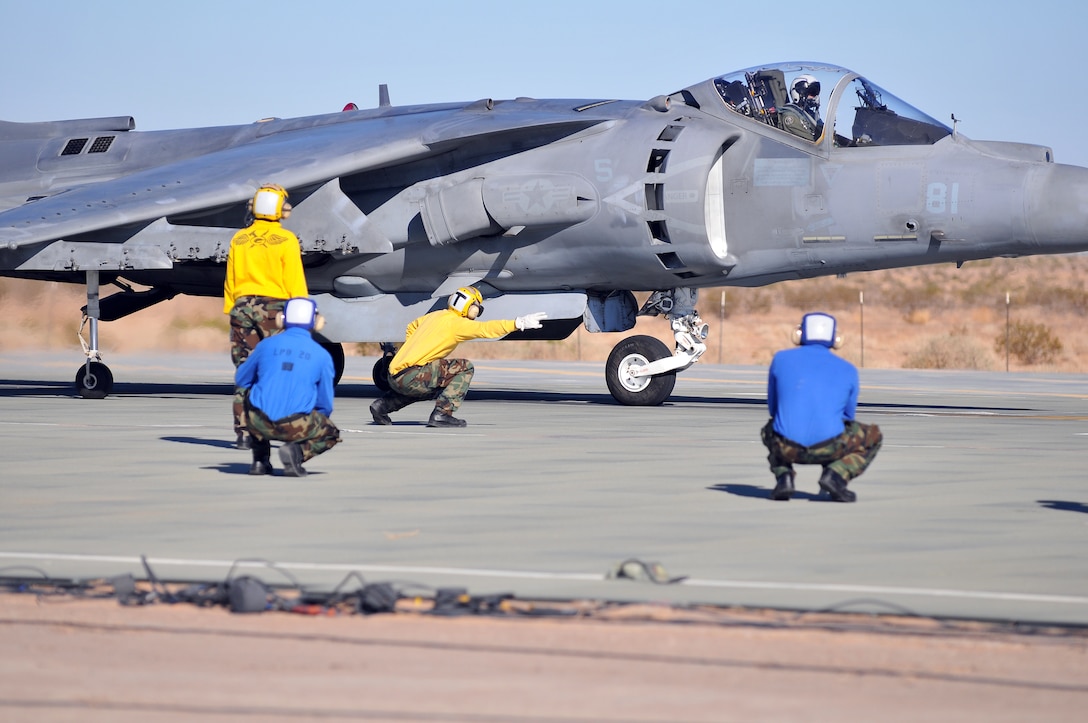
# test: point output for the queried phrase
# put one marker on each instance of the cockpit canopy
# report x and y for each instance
(802, 98)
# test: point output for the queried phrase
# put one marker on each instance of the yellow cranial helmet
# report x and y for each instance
(464, 299)
(270, 203)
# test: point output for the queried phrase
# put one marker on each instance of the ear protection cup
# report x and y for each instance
(319, 321)
(464, 299)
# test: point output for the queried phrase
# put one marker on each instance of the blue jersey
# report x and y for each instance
(288, 373)
(810, 393)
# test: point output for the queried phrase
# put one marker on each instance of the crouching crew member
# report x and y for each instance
(420, 369)
(264, 269)
(289, 382)
(812, 396)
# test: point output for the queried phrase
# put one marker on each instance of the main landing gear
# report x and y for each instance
(94, 380)
(641, 371)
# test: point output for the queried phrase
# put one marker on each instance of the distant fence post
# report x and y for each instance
(721, 327)
(861, 304)
(1007, 301)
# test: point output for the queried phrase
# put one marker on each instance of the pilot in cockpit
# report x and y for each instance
(805, 92)
(802, 116)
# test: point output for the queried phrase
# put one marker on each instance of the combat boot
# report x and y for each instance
(835, 486)
(244, 441)
(262, 448)
(783, 488)
(441, 419)
(291, 456)
(381, 407)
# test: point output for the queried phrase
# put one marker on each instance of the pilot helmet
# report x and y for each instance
(817, 328)
(270, 203)
(300, 312)
(804, 86)
(462, 301)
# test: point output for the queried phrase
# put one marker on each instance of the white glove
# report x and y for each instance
(530, 321)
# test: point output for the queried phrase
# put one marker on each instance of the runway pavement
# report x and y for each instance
(975, 508)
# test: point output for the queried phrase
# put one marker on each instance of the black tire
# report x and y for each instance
(644, 392)
(380, 373)
(336, 351)
(97, 384)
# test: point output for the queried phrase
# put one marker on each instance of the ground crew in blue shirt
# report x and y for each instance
(289, 383)
(812, 396)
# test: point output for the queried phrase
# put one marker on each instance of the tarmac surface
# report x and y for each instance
(974, 510)
(975, 507)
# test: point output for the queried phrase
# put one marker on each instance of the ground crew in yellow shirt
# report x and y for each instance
(264, 269)
(420, 369)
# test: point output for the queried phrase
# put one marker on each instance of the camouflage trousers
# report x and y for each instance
(314, 432)
(848, 455)
(444, 380)
(253, 318)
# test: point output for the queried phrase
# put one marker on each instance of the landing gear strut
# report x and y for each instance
(94, 379)
(640, 370)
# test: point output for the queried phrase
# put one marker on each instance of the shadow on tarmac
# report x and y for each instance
(764, 493)
(1064, 505)
(12, 388)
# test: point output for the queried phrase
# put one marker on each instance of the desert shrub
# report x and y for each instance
(1029, 342)
(822, 294)
(1056, 297)
(367, 348)
(989, 289)
(928, 294)
(738, 300)
(918, 317)
(951, 351)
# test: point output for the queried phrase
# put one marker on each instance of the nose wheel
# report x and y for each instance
(627, 377)
(94, 380)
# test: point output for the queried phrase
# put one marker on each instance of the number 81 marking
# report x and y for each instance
(938, 199)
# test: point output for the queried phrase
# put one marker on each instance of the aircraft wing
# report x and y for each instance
(116, 210)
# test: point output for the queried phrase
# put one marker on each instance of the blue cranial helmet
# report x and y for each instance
(300, 312)
(818, 328)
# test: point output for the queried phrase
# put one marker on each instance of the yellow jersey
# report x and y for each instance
(265, 259)
(435, 335)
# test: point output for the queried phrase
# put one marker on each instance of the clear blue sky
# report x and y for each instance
(1009, 71)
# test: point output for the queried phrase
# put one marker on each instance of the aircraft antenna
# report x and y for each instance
(955, 122)
(383, 96)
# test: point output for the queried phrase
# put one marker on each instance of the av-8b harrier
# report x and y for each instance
(779, 172)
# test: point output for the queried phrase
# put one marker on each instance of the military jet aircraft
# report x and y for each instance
(783, 171)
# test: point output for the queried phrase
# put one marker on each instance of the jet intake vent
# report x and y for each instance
(670, 133)
(658, 157)
(655, 197)
(101, 144)
(670, 261)
(660, 231)
(74, 147)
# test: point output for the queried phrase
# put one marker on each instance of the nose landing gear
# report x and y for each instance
(641, 371)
